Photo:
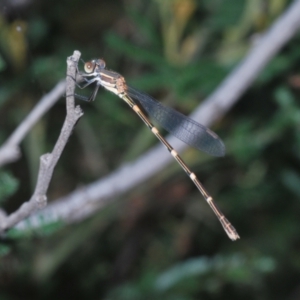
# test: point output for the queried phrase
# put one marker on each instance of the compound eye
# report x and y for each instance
(101, 63)
(89, 66)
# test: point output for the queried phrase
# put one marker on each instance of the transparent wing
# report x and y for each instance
(179, 125)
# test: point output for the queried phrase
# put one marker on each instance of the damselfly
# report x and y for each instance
(179, 125)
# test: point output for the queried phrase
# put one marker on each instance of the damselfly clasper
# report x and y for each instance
(179, 125)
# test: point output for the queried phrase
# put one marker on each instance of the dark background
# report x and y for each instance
(161, 240)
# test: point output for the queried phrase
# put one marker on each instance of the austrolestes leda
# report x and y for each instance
(179, 125)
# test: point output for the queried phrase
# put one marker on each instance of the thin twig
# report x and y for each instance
(87, 200)
(10, 150)
(49, 160)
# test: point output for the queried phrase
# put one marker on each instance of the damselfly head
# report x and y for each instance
(94, 65)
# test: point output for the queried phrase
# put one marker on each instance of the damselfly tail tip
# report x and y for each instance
(232, 233)
(229, 229)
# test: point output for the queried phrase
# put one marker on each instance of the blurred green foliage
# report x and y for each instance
(8, 185)
(160, 241)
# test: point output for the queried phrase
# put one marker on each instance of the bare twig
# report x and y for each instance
(49, 160)
(87, 200)
(10, 150)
